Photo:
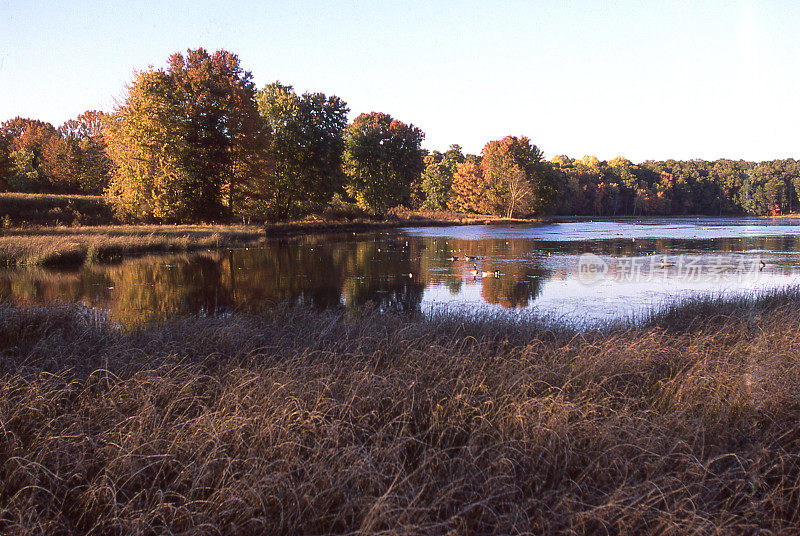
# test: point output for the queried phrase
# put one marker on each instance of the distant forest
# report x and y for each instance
(197, 141)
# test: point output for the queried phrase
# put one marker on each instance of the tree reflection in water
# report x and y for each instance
(385, 270)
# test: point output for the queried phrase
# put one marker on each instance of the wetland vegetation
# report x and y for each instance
(319, 421)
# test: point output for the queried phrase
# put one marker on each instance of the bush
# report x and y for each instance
(339, 209)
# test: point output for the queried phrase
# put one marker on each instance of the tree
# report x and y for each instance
(25, 175)
(61, 161)
(518, 189)
(469, 190)
(26, 141)
(188, 143)
(382, 157)
(436, 182)
(516, 179)
(306, 147)
(146, 145)
(619, 161)
(437, 179)
(562, 161)
(5, 162)
(95, 166)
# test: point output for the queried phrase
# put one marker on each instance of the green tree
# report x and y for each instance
(382, 158)
(306, 147)
(437, 179)
(25, 175)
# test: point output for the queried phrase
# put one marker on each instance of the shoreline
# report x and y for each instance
(72, 246)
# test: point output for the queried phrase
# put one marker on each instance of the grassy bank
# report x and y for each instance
(35, 236)
(70, 246)
(18, 209)
(312, 422)
(416, 218)
(42, 229)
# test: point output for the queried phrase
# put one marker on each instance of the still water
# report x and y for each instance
(582, 272)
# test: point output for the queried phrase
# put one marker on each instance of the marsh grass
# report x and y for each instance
(701, 310)
(320, 422)
(50, 209)
(73, 246)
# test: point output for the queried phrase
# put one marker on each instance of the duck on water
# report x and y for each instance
(483, 273)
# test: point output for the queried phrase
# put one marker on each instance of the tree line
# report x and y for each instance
(197, 141)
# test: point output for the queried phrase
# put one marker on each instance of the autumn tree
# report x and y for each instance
(306, 147)
(469, 189)
(517, 182)
(146, 145)
(562, 161)
(27, 140)
(382, 157)
(86, 132)
(188, 143)
(518, 190)
(5, 162)
(27, 133)
(61, 161)
(620, 161)
(46, 159)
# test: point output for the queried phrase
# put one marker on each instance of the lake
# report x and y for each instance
(583, 272)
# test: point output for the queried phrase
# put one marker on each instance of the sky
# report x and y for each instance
(645, 80)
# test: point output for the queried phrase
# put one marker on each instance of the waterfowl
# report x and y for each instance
(666, 264)
(761, 265)
(474, 271)
(471, 258)
(496, 273)
(453, 259)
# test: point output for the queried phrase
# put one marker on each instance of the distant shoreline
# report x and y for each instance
(53, 230)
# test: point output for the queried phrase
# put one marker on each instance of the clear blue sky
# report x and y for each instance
(681, 79)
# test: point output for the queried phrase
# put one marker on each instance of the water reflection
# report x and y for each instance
(401, 270)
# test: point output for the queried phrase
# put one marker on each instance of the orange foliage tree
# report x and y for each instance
(86, 132)
(469, 189)
(26, 141)
(188, 143)
(517, 181)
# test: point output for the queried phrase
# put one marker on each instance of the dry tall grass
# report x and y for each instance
(311, 422)
(64, 245)
(51, 209)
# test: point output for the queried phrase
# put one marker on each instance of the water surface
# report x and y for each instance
(540, 268)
